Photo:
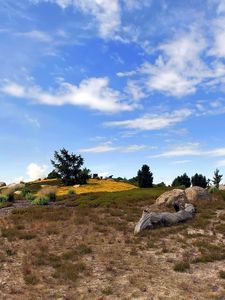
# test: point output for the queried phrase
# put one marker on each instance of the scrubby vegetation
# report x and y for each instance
(70, 239)
(70, 248)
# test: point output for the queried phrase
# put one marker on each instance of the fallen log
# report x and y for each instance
(149, 219)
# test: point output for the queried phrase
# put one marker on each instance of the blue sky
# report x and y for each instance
(122, 82)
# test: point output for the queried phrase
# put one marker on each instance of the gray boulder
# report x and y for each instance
(175, 197)
(222, 187)
(149, 220)
(196, 194)
(16, 186)
(2, 184)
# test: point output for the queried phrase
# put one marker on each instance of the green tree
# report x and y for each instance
(217, 178)
(145, 177)
(182, 180)
(53, 174)
(84, 175)
(199, 180)
(68, 166)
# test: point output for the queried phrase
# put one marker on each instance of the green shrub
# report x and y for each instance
(213, 190)
(30, 197)
(3, 198)
(11, 197)
(71, 192)
(25, 191)
(30, 279)
(52, 196)
(222, 274)
(49, 192)
(9, 193)
(181, 266)
(107, 291)
(41, 200)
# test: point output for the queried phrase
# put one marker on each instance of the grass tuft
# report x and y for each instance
(181, 266)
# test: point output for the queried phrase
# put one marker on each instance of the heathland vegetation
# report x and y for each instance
(70, 236)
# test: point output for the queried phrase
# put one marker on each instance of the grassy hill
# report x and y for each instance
(83, 247)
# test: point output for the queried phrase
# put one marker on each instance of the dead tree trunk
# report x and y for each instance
(149, 220)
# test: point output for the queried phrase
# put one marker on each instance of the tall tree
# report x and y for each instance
(53, 175)
(217, 178)
(182, 180)
(199, 180)
(145, 177)
(68, 166)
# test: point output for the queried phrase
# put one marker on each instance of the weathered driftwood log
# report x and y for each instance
(151, 219)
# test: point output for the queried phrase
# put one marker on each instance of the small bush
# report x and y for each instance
(11, 197)
(213, 190)
(68, 271)
(222, 274)
(107, 291)
(30, 279)
(9, 193)
(25, 191)
(30, 197)
(49, 192)
(41, 200)
(181, 266)
(71, 192)
(3, 198)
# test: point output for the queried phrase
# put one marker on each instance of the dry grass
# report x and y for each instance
(49, 191)
(89, 251)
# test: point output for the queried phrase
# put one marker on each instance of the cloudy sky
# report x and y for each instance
(122, 82)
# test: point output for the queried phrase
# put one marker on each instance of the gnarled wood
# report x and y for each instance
(151, 219)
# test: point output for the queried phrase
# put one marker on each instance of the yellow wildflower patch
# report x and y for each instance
(95, 185)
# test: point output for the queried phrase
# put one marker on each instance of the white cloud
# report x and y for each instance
(134, 90)
(99, 149)
(103, 174)
(217, 152)
(36, 35)
(220, 6)
(35, 171)
(18, 179)
(108, 147)
(13, 89)
(154, 121)
(93, 93)
(179, 162)
(136, 4)
(105, 12)
(221, 163)
(33, 121)
(178, 68)
(133, 148)
(191, 149)
(126, 74)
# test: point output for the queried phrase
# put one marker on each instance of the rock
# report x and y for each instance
(196, 193)
(222, 187)
(18, 192)
(149, 220)
(2, 184)
(76, 186)
(16, 186)
(176, 197)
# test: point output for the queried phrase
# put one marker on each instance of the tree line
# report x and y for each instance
(69, 168)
